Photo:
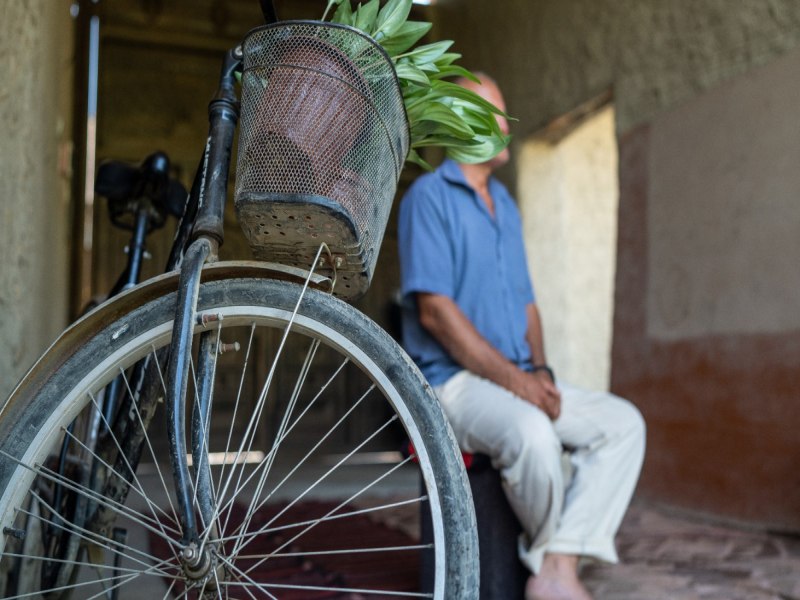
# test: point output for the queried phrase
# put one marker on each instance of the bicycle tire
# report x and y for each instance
(32, 426)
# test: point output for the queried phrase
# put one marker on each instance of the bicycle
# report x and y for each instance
(315, 204)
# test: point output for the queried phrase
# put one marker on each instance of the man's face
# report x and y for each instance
(489, 91)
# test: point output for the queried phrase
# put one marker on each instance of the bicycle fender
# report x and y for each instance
(114, 308)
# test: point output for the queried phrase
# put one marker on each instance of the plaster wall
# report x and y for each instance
(549, 56)
(568, 193)
(35, 108)
(707, 337)
(724, 217)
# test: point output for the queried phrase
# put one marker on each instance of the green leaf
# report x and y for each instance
(440, 113)
(415, 158)
(409, 72)
(392, 16)
(366, 16)
(409, 34)
(443, 141)
(488, 148)
(455, 71)
(445, 118)
(448, 58)
(331, 4)
(479, 121)
(446, 88)
(429, 52)
(343, 14)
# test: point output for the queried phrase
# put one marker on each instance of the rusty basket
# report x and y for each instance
(322, 141)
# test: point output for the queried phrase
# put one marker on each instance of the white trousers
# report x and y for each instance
(604, 437)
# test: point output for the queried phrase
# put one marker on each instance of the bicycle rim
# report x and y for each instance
(310, 496)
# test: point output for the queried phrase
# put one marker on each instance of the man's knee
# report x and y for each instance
(532, 437)
(632, 422)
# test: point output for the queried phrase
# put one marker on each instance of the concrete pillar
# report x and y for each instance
(568, 194)
(36, 44)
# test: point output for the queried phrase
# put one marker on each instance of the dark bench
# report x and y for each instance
(503, 576)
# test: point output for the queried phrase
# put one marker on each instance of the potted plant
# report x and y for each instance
(440, 113)
(331, 111)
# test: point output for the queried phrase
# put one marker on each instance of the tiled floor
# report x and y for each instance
(669, 556)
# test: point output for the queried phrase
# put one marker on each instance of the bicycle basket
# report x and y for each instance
(323, 139)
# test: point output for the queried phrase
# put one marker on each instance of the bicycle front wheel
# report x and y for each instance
(300, 483)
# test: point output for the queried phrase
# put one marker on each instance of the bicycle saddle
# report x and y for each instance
(148, 186)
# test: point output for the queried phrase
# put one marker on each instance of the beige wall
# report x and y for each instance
(724, 218)
(35, 120)
(707, 334)
(568, 192)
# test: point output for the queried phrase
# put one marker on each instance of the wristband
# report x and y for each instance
(547, 370)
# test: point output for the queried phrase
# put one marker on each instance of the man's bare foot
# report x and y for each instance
(557, 580)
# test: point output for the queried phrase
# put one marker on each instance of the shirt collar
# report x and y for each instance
(453, 173)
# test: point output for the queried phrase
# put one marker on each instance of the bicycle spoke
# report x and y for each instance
(309, 359)
(308, 553)
(239, 574)
(168, 593)
(354, 513)
(308, 489)
(239, 578)
(263, 461)
(236, 403)
(311, 452)
(135, 407)
(217, 584)
(71, 562)
(118, 508)
(160, 371)
(251, 430)
(73, 586)
(128, 579)
(138, 488)
(265, 587)
(331, 512)
(96, 539)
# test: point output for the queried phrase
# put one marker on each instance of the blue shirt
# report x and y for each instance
(451, 245)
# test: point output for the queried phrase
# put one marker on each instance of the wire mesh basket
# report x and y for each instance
(322, 141)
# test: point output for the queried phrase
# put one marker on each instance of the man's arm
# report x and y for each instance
(445, 321)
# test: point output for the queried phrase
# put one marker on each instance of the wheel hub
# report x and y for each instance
(197, 561)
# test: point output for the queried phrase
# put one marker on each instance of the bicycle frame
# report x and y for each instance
(206, 237)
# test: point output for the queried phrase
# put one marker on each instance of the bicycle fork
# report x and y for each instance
(197, 556)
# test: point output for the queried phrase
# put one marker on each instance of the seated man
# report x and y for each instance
(471, 323)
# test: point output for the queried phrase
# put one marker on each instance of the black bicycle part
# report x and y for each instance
(201, 420)
(130, 188)
(180, 358)
(223, 114)
(268, 10)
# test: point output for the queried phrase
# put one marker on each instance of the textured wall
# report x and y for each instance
(551, 55)
(707, 334)
(36, 46)
(724, 218)
(568, 198)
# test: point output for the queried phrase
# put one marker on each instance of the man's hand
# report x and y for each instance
(539, 390)
(445, 321)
